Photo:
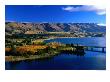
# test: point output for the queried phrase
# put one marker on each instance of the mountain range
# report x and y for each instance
(18, 27)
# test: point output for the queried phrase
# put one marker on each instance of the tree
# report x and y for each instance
(13, 50)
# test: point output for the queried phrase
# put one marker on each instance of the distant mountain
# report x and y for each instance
(15, 27)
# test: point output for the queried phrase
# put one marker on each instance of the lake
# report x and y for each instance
(92, 41)
(63, 61)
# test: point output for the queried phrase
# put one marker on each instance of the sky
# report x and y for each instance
(56, 13)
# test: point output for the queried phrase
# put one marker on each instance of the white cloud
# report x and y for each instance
(101, 24)
(100, 10)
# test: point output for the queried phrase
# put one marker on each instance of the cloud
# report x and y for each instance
(98, 9)
(101, 24)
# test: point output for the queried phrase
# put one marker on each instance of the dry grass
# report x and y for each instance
(31, 48)
(7, 49)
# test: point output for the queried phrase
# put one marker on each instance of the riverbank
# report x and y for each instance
(31, 57)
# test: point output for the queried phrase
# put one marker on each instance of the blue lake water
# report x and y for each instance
(94, 41)
(90, 61)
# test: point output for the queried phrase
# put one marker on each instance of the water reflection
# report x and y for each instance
(91, 61)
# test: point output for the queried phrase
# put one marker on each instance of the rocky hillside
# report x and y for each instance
(14, 27)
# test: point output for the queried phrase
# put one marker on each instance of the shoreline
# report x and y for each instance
(70, 37)
(31, 57)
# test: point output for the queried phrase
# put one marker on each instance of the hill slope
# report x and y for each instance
(14, 27)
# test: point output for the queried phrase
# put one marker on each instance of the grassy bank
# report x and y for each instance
(30, 57)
